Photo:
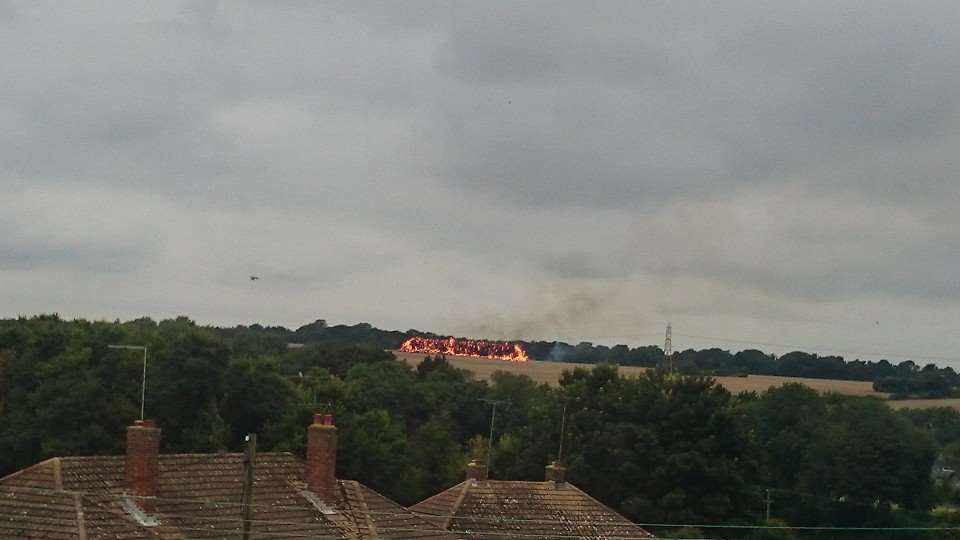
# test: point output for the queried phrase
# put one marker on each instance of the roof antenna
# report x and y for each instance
(143, 385)
(493, 418)
(563, 431)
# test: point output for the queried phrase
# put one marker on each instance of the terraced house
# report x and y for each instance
(148, 495)
(145, 494)
(480, 508)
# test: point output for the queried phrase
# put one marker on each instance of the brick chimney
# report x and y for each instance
(142, 468)
(476, 471)
(556, 473)
(321, 469)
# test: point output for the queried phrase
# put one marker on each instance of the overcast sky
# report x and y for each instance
(783, 174)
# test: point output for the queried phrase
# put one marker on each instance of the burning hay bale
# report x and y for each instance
(499, 350)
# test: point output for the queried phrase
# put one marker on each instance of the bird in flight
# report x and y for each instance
(254, 278)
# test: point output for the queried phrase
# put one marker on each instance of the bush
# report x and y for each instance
(689, 533)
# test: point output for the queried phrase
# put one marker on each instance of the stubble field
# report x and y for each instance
(550, 372)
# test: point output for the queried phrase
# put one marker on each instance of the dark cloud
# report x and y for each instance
(502, 168)
(573, 106)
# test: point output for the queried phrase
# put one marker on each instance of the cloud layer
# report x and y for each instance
(760, 172)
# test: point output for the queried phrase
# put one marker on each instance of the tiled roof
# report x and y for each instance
(198, 497)
(394, 522)
(30, 514)
(493, 509)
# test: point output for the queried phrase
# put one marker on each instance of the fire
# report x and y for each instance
(498, 350)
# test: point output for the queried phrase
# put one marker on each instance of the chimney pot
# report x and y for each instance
(556, 473)
(476, 471)
(321, 466)
(142, 466)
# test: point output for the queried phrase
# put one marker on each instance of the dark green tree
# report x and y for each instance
(659, 447)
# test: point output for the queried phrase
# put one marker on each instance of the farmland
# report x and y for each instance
(550, 372)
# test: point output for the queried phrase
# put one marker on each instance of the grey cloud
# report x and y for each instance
(576, 106)
(832, 249)
(71, 258)
(507, 168)
(142, 104)
(8, 13)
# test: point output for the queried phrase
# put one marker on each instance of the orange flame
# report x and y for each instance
(497, 350)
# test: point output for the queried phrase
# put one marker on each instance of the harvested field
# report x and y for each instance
(760, 383)
(549, 373)
(925, 403)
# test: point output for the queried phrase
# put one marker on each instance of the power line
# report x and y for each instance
(253, 521)
(583, 523)
(518, 534)
(437, 531)
(625, 524)
(789, 346)
(534, 521)
(800, 347)
(628, 334)
(618, 324)
(255, 534)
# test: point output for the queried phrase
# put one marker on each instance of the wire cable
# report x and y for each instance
(835, 350)
(502, 520)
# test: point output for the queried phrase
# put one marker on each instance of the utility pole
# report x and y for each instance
(563, 430)
(493, 417)
(768, 502)
(143, 384)
(668, 347)
(249, 463)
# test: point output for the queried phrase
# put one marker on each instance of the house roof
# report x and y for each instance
(491, 509)
(37, 514)
(198, 496)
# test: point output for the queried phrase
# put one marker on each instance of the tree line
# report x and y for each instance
(660, 448)
(902, 380)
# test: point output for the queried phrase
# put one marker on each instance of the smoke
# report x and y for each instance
(560, 352)
(554, 315)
